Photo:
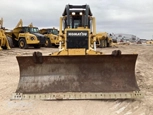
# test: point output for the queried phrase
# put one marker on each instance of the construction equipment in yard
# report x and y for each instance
(25, 36)
(149, 42)
(52, 35)
(77, 70)
(103, 40)
(4, 44)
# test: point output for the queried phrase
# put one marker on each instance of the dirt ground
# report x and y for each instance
(9, 77)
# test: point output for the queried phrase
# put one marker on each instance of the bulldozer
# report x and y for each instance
(77, 70)
(52, 35)
(4, 44)
(103, 40)
(25, 36)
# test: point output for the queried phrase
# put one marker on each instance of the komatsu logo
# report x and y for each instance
(77, 34)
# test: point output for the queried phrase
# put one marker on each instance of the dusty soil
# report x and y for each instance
(9, 77)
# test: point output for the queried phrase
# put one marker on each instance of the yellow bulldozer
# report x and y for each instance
(77, 70)
(4, 44)
(25, 36)
(52, 35)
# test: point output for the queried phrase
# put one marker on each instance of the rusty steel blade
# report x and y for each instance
(89, 73)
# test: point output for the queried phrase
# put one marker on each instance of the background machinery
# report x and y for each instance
(77, 70)
(4, 44)
(52, 35)
(149, 42)
(25, 36)
(103, 40)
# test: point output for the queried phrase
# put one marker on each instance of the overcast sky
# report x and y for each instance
(112, 16)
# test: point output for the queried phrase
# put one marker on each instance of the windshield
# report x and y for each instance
(75, 21)
(31, 30)
(53, 31)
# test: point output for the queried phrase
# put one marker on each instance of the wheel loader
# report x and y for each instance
(52, 35)
(4, 44)
(25, 36)
(77, 70)
(103, 40)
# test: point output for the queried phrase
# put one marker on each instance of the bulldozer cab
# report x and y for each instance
(77, 16)
(78, 24)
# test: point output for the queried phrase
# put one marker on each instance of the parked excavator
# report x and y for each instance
(77, 70)
(4, 43)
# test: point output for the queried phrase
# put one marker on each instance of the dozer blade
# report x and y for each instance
(77, 77)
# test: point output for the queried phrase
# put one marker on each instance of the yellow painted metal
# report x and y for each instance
(16, 34)
(3, 39)
(27, 36)
(149, 42)
(91, 37)
(76, 52)
(53, 39)
(103, 40)
(19, 24)
(30, 25)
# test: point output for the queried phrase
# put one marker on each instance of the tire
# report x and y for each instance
(10, 41)
(101, 44)
(56, 46)
(48, 43)
(37, 46)
(4, 47)
(15, 42)
(114, 41)
(23, 44)
(109, 44)
(105, 43)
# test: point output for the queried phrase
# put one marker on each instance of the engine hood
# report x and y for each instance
(38, 35)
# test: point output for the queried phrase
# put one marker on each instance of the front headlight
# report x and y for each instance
(32, 38)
